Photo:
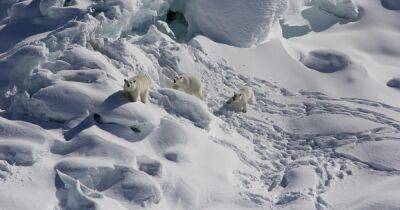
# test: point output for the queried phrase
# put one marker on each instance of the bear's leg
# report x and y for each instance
(135, 96)
(245, 108)
(252, 99)
(143, 97)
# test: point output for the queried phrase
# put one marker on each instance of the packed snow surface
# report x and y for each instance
(323, 133)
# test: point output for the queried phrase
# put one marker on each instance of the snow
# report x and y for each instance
(324, 132)
(185, 105)
(382, 155)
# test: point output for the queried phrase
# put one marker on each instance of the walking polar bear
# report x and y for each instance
(241, 100)
(189, 84)
(137, 88)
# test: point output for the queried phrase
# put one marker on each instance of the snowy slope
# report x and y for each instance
(324, 132)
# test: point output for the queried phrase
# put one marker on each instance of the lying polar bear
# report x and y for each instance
(137, 87)
(189, 84)
(241, 100)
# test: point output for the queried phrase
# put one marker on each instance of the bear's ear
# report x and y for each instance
(134, 81)
(125, 80)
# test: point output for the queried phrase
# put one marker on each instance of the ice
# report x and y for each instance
(75, 195)
(229, 22)
(324, 133)
(150, 166)
(341, 8)
(391, 4)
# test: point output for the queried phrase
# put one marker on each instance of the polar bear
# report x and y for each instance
(189, 84)
(241, 100)
(137, 87)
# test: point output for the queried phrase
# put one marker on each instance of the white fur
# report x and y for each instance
(190, 85)
(137, 88)
(241, 99)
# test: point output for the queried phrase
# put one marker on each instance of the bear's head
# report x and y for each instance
(236, 98)
(178, 79)
(129, 84)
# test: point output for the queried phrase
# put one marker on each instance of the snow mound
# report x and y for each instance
(101, 175)
(391, 4)
(297, 183)
(22, 131)
(394, 83)
(381, 155)
(170, 139)
(94, 141)
(21, 143)
(185, 105)
(140, 188)
(74, 195)
(17, 65)
(19, 153)
(118, 112)
(239, 22)
(298, 179)
(325, 61)
(63, 101)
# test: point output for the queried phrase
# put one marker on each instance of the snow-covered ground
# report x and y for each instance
(324, 132)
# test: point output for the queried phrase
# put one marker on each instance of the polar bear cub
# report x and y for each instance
(189, 84)
(137, 87)
(241, 99)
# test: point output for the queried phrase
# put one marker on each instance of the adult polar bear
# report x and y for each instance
(137, 88)
(241, 99)
(189, 84)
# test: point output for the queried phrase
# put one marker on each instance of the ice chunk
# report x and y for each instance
(96, 173)
(75, 195)
(391, 4)
(80, 58)
(150, 166)
(57, 9)
(140, 188)
(341, 8)
(237, 22)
